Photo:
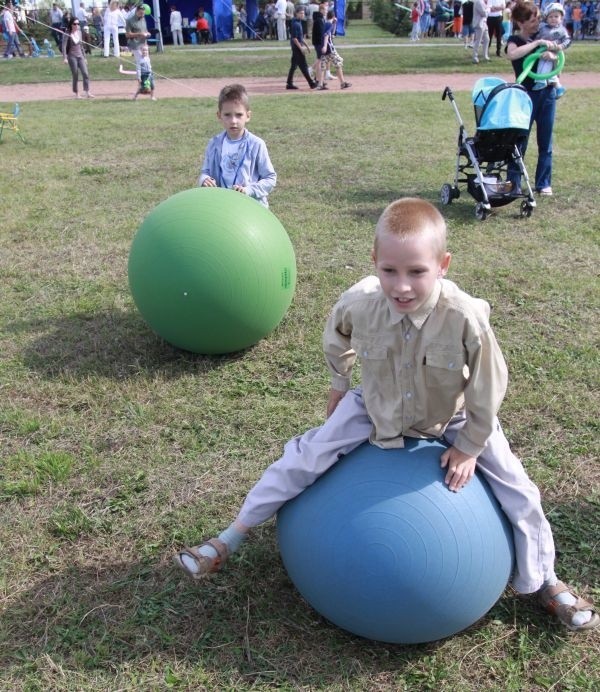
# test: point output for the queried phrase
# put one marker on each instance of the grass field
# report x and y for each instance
(117, 448)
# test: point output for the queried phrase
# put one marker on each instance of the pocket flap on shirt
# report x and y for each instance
(443, 359)
(370, 352)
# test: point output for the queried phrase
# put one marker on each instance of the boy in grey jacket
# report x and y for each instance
(236, 158)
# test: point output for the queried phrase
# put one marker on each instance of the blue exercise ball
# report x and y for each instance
(380, 547)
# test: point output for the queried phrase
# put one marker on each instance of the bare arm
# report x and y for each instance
(515, 52)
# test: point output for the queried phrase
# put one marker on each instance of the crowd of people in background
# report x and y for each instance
(461, 19)
(472, 21)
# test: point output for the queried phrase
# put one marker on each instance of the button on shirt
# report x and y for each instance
(418, 370)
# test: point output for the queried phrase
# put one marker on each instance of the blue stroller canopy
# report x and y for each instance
(499, 105)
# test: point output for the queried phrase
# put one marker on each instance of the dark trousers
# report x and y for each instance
(79, 65)
(495, 29)
(543, 113)
(298, 61)
(56, 33)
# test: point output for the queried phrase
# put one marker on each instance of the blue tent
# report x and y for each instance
(219, 10)
(340, 13)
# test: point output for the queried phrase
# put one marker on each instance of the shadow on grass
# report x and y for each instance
(247, 621)
(369, 203)
(113, 344)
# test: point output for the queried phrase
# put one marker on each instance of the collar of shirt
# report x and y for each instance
(417, 318)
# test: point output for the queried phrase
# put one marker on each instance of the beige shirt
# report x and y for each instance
(418, 370)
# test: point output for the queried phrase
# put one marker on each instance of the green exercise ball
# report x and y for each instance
(212, 271)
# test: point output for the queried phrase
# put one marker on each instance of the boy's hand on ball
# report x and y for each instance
(239, 188)
(209, 182)
(461, 468)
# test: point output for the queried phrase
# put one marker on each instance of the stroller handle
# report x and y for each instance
(448, 93)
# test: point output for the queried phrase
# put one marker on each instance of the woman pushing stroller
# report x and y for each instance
(526, 17)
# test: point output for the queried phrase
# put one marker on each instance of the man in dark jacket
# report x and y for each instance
(298, 47)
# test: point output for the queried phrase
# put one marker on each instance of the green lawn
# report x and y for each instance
(116, 448)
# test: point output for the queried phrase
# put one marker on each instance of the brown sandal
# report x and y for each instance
(564, 612)
(206, 565)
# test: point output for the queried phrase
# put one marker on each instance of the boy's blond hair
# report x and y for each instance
(234, 92)
(409, 217)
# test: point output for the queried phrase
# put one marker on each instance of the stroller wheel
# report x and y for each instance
(446, 195)
(526, 209)
(481, 213)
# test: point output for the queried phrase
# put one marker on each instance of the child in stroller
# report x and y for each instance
(502, 115)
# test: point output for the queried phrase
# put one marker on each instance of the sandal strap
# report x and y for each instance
(220, 547)
(206, 565)
(566, 612)
(548, 595)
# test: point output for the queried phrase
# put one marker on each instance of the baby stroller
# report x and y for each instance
(502, 115)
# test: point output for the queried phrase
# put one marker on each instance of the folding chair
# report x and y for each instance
(11, 121)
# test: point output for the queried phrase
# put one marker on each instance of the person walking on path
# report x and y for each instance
(298, 45)
(10, 27)
(330, 55)
(73, 56)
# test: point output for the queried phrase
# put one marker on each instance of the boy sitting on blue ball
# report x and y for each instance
(430, 368)
(237, 159)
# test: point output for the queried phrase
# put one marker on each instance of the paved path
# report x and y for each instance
(195, 88)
